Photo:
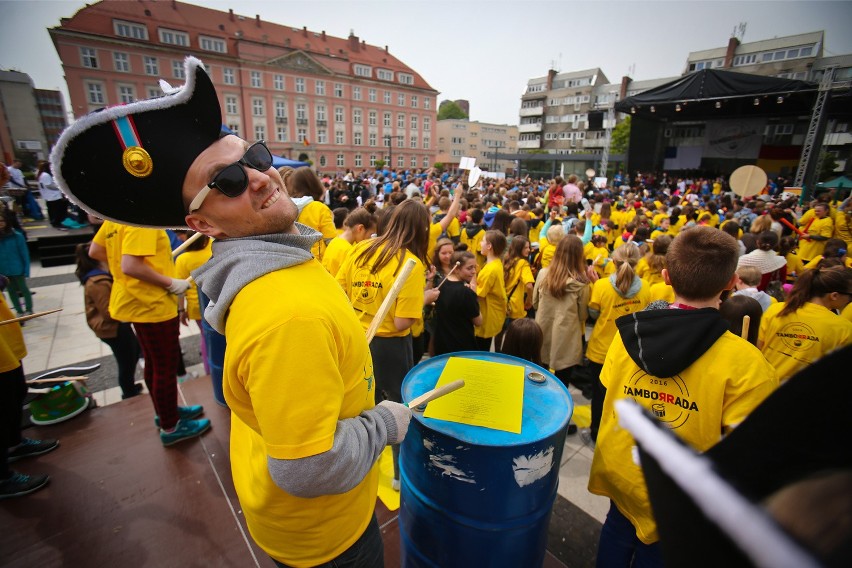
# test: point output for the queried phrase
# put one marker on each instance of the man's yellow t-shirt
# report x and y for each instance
(367, 289)
(810, 249)
(611, 306)
(491, 293)
(296, 363)
(133, 300)
(336, 252)
(184, 265)
(317, 215)
(520, 276)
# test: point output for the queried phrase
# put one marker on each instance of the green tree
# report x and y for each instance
(439, 167)
(449, 109)
(380, 164)
(620, 137)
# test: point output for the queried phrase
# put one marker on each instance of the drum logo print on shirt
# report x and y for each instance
(797, 336)
(367, 286)
(668, 398)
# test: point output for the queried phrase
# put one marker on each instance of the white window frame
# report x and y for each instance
(372, 95)
(400, 99)
(372, 118)
(260, 132)
(387, 97)
(231, 106)
(386, 119)
(121, 61)
(338, 90)
(96, 89)
(256, 79)
(400, 121)
(358, 161)
(126, 94)
(405, 78)
(278, 82)
(229, 76)
(152, 65)
(173, 37)
(340, 161)
(214, 44)
(363, 70)
(357, 116)
(339, 137)
(178, 72)
(339, 115)
(319, 88)
(133, 30)
(300, 85)
(258, 106)
(384, 74)
(89, 57)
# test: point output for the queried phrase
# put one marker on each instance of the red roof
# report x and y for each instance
(339, 55)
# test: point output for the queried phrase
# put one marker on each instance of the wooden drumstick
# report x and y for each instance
(57, 380)
(390, 299)
(31, 316)
(441, 283)
(186, 243)
(431, 395)
(746, 323)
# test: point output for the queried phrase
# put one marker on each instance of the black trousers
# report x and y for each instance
(57, 210)
(13, 389)
(125, 348)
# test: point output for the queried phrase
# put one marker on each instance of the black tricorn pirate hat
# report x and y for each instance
(127, 163)
(730, 506)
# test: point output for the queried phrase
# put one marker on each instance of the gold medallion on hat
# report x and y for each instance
(137, 161)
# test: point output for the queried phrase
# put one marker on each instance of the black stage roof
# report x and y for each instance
(712, 93)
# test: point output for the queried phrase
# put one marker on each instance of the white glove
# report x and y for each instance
(401, 416)
(178, 286)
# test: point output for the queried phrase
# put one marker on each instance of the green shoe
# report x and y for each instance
(185, 413)
(184, 430)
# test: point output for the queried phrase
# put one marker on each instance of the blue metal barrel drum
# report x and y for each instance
(474, 496)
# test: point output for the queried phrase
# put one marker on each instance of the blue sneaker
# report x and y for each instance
(184, 430)
(185, 413)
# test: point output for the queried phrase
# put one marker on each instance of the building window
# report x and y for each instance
(356, 93)
(414, 101)
(281, 133)
(806, 51)
(321, 113)
(400, 161)
(173, 37)
(322, 161)
(358, 161)
(256, 80)
(230, 104)
(426, 142)
(129, 29)
(338, 137)
(400, 121)
(400, 99)
(319, 88)
(372, 160)
(96, 93)
(427, 103)
(301, 111)
(338, 115)
(386, 120)
(340, 160)
(400, 141)
(372, 118)
(371, 95)
(278, 82)
(356, 116)
(425, 162)
(356, 138)
(413, 161)
(259, 132)
(214, 44)
(228, 76)
(457, 140)
(300, 85)
(151, 65)
(121, 61)
(387, 97)
(126, 94)
(154, 92)
(338, 90)
(280, 109)
(178, 72)
(371, 139)
(406, 79)
(384, 74)
(427, 123)
(413, 122)
(88, 57)
(363, 70)
(235, 128)
(322, 136)
(301, 134)
(414, 141)
(257, 107)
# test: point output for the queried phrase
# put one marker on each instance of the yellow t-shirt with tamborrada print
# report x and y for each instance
(491, 293)
(367, 289)
(611, 306)
(133, 300)
(794, 341)
(297, 362)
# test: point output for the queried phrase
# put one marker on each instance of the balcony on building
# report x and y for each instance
(837, 139)
(280, 120)
(322, 123)
(532, 111)
(534, 127)
(529, 144)
(302, 121)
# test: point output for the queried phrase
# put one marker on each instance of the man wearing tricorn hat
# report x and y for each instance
(305, 434)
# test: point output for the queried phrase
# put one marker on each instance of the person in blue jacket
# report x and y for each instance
(15, 265)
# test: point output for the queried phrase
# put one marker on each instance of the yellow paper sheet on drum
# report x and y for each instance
(492, 396)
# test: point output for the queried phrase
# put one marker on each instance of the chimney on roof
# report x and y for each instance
(354, 44)
(386, 49)
(257, 20)
(551, 73)
(622, 91)
(231, 14)
(733, 43)
(323, 35)
(363, 44)
(305, 31)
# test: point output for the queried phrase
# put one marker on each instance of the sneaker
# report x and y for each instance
(185, 413)
(69, 223)
(395, 485)
(572, 429)
(20, 484)
(184, 430)
(137, 389)
(28, 448)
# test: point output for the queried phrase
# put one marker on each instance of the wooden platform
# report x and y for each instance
(118, 498)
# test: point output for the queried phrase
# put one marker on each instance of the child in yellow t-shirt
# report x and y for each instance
(490, 288)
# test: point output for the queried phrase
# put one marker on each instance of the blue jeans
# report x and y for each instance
(367, 552)
(620, 547)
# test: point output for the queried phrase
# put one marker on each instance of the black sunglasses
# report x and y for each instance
(233, 179)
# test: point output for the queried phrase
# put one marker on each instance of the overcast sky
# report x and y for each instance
(485, 51)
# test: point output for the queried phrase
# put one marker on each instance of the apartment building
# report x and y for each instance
(339, 102)
(51, 108)
(24, 131)
(459, 138)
